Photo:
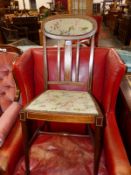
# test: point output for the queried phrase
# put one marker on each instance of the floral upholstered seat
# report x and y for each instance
(64, 101)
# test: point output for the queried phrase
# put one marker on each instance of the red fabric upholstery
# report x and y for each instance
(10, 131)
(116, 158)
(7, 84)
(108, 72)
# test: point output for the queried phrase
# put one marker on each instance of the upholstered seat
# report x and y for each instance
(64, 101)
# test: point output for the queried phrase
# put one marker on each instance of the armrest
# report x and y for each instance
(114, 71)
(23, 71)
(11, 49)
(115, 153)
(12, 150)
(7, 120)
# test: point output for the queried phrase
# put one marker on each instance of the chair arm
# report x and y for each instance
(7, 120)
(12, 150)
(23, 70)
(114, 71)
(115, 154)
(10, 48)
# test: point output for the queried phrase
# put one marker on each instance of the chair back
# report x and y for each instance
(69, 32)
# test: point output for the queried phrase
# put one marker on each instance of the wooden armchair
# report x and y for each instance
(9, 35)
(32, 25)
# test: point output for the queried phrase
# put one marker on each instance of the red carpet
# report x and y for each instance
(61, 155)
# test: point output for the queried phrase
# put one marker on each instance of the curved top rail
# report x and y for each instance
(70, 27)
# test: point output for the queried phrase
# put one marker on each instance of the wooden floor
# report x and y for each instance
(107, 39)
